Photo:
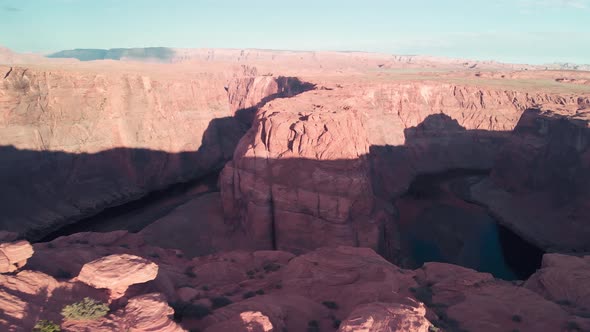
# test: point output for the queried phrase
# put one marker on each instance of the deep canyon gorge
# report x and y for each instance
(312, 191)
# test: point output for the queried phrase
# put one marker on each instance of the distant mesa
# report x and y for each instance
(156, 53)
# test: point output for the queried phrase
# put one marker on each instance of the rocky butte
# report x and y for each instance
(249, 190)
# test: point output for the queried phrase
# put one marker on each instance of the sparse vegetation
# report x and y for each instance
(572, 326)
(271, 267)
(87, 309)
(248, 295)
(336, 323)
(260, 292)
(330, 305)
(189, 272)
(189, 310)
(422, 294)
(313, 326)
(433, 328)
(516, 319)
(205, 287)
(63, 274)
(219, 302)
(46, 326)
(564, 302)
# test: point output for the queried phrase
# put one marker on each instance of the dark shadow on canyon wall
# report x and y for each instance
(43, 189)
(435, 222)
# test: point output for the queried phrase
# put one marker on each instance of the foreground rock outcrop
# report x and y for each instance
(117, 272)
(330, 289)
(14, 255)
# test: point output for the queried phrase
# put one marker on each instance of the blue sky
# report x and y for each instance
(533, 31)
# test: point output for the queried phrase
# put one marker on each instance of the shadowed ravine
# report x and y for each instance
(441, 225)
(435, 219)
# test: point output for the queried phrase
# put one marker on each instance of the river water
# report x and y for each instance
(439, 224)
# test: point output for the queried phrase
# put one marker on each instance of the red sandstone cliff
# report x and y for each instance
(318, 169)
(77, 140)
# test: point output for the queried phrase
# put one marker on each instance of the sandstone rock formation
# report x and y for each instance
(342, 288)
(108, 135)
(117, 272)
(148, 312)
(540, 183)
(564, 280)
(13, 256)
(375, 317)
(315, 169)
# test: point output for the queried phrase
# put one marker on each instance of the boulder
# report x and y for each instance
(394, 317)
(14, 255)
(117, 272)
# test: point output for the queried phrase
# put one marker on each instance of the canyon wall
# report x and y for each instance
(75, 141)
(540, 182)
(323, 168)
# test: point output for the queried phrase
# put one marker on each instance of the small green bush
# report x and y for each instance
(330, 305)
(190, 273)
(271, 267)
(313, 326)
(63, 274)
(248, 295)
(46, 326)
(218, 302)
(189, 310)
(572, 326)
(336, 323)
(87, 309)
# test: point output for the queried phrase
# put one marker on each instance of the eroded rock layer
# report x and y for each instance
(74, 141)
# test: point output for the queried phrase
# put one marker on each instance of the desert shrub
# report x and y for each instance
(271, 267)
(336, 323)
(330, 304)
(218, 302)
(63, 274)
(313, 326)
(248, 295)
(423, 294)
(46, 326)
(87, 309)
(516, 319)
(260, 292)
(572, 326)
(189, 310)
(564, 302)
(190, 273)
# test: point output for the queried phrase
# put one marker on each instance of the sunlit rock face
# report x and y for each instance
(77, 139)
(322, 168)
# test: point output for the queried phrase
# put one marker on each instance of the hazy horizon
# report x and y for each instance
(519, 31)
